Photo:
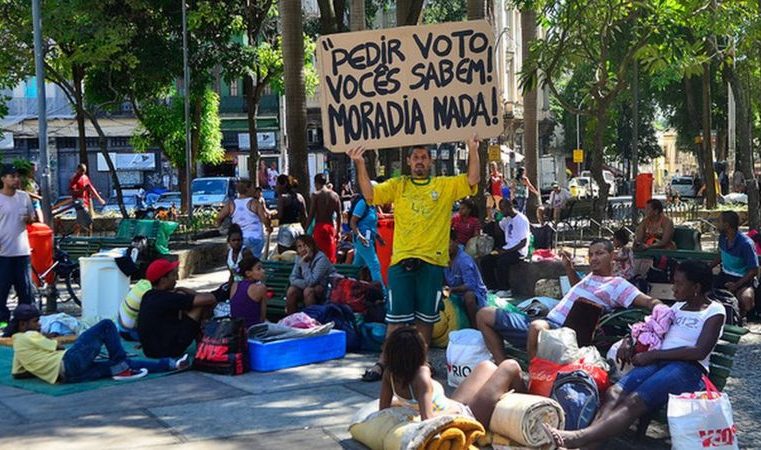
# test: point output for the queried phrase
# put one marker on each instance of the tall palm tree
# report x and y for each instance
(295, 91)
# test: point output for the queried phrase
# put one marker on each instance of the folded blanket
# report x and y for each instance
(400, 428)
(268, 332)
(519, 417)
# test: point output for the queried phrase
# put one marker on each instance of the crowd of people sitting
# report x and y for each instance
(429, 260)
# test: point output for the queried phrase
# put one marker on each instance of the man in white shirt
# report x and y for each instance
(495, 267)
(558, 200)
(16, 212)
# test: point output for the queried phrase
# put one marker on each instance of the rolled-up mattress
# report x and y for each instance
(520, 418)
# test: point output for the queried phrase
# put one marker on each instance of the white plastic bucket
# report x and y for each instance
(104, 287)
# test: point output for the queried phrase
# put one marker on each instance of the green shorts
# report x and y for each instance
(414, 294)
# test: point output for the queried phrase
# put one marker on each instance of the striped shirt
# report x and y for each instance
(608, 292)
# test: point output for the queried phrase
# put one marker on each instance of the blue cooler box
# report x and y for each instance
(266, 357)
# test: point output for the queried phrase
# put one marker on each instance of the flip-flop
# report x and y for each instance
(371, 375)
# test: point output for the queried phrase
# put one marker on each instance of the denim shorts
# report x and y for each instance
(653, 383)
(513, 326)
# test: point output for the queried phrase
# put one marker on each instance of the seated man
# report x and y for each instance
(515, 225)
(599, 287)
(463, 279)
(36, 355)
(170, 318)
(739, 263)
(558, 201)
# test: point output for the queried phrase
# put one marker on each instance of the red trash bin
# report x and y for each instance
(386, 232)
(41, 242)
(644, 189)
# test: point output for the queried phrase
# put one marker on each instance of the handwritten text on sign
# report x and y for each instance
(409, 85)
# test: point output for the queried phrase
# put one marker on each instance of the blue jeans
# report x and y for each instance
(367, 256)
(513, 327)
(14, 271)
(654, 383)
(79, 361)
(255, 245)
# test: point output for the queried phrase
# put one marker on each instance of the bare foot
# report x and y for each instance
(561, 439)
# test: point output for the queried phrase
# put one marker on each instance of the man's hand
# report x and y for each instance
(357, 154)
(566, 259)
(643, 359)
(473, 143)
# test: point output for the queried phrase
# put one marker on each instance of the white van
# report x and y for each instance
(609, 178)
(212, 191)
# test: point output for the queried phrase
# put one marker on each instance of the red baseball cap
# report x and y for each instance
(160, 268)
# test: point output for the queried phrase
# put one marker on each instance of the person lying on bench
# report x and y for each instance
(170, 318)
(599, 287)
(407, 381)
(36, 355)
(676, 368)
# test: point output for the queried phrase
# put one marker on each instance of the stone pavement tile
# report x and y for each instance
(98, 432)
(181, 388)
(370, 389)
(302, 408)
(310, 438)
(348, 369)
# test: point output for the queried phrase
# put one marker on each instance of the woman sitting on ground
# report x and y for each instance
(676, 368)
(236, 251)
(656, 230)
(248, 297)
(309, 277)
(407, 381)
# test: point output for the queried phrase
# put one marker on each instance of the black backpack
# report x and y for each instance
(223, 348)
(343, 319)
(731, 305)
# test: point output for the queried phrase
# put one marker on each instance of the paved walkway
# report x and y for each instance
(303, 407)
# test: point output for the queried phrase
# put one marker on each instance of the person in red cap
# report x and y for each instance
(170, 317)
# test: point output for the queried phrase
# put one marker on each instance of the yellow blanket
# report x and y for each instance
(398, 429)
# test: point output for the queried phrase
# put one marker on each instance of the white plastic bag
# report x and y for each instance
(558, 345)
(702, 420)
(465, 350)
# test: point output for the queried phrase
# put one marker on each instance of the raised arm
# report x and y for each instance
(363, 179)
(474, 170)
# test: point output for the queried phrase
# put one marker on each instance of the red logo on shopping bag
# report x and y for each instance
(718, 438)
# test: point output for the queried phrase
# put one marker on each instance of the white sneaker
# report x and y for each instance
(130, 374)
(182, 363)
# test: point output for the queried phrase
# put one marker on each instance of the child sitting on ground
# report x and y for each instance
(407, 381)
(248, 297)
(36, 355)
(623, 259)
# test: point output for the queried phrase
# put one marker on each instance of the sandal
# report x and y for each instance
(372, 375)
(556, 441)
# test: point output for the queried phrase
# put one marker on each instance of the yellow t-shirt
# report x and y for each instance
(422, 215)
(36, 354)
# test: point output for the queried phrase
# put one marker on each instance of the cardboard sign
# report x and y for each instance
(409, 85)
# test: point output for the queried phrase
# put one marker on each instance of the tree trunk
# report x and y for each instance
(530, 108)
(744, 144)
(103, 146)
(295, 95)
(78, 76)
(327, 16)
(597, 160)
(252, 110)
(408, 12)
(707, 153)
(357, 20)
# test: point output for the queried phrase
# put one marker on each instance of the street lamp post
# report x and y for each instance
(186, 84)
(578, 133)
(42, 134)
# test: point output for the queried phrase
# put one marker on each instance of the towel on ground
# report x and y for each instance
(400, 428)
(649, 334)
(519, 417)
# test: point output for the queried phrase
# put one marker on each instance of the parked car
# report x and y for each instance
(212, 191)
(167, 199)
(112, 207)
(583, 187)
(270, 198)
(686, 187)
(609, 178)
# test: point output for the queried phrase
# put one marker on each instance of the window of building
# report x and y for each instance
(234, 88)
(120, 142)
(66, 142)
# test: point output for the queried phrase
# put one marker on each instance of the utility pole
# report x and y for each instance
(186, 84)
(635, 140)
(42, 119)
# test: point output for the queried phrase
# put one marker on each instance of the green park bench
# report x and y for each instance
(277, 282)
(153, 230)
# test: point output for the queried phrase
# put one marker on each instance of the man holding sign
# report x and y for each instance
(422, 213)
